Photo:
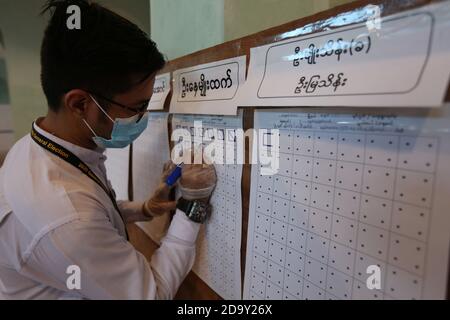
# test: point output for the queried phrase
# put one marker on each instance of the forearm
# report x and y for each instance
(110, 267)
(175, 258)
(171, 263)
(133, 211)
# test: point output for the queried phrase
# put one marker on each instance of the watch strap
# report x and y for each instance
(194, 210)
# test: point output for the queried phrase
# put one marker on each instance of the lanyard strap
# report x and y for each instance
(71, 158)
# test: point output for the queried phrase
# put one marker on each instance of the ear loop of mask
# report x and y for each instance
(92, 130)
(98, 105)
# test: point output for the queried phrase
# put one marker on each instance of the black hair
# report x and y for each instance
(105, 56)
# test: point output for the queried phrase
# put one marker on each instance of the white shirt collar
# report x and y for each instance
(90, 157)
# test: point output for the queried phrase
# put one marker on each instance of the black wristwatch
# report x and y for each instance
(195, 210)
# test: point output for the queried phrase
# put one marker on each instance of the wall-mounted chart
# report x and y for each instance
(150, 153)
(353, 190)
(218, 260)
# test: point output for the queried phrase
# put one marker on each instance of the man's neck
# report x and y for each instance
(59, 126)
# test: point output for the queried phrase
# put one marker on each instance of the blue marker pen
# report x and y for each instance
(175, 175)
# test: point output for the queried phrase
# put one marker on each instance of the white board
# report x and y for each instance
(161, 90)
(218, 261)
(353, 189)
(150, 153)
(117, 166)
(399, 60)
(210, 88)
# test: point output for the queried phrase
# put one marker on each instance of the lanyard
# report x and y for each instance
(71, 158)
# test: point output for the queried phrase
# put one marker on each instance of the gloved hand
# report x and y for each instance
(197, 181)
(159, 203)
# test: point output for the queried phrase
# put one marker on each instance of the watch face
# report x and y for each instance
(199, 212)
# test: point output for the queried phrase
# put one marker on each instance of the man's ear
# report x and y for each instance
(77, 102)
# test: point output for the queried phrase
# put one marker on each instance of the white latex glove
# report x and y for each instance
(159, 203)
(197, 181)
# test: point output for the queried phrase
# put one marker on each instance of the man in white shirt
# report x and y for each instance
(57, 208)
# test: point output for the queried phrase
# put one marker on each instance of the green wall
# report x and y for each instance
(180, 27)
(250, 16)
(246, 17)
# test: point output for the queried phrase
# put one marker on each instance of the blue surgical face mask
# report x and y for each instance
(124, 132)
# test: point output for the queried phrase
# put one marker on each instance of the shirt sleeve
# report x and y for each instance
(110, 266)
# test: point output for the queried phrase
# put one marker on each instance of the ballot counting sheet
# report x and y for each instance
(117, 167)
(218, 260)
(353, 190)
(150, 153)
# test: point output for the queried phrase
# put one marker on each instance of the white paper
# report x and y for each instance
(117, 167)
(400, 60)
(161, 90)
(209, 88)
(353, 190)
(150, 153)
(218, 261)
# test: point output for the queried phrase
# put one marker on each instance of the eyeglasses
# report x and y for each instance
(143, 109)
